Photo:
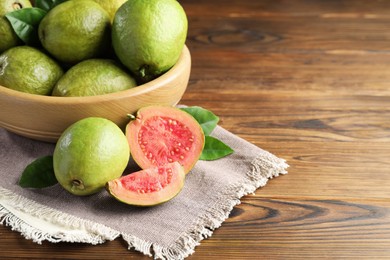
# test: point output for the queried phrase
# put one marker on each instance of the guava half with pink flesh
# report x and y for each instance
(161, 134)
(148, 187)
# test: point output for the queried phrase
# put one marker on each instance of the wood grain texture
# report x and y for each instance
(308, 80)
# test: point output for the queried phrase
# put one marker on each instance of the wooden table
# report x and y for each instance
(310, 82)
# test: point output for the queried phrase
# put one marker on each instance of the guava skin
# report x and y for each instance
(93, 77)
(7, 6)
(111, 6)
(88, 154)
(75, 30)
(8, 37)
(27, 69)
(148, 36)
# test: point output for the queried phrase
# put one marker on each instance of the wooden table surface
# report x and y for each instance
(309, 81)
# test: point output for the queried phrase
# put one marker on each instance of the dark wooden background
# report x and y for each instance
(308, 80)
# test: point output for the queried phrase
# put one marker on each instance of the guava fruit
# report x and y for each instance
(161, 134)
(75, 30)
(93, 77)
(148, 187)
(8, 37)
(27, 69)
(7, 6)
(88, 154)
(148, 36)
(111, 6)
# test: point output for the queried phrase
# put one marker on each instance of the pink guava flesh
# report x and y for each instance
(161, 135)
(148, 181)
(148, 187)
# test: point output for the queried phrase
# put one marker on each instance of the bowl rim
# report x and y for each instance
(136, 91)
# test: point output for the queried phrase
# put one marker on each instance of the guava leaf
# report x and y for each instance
(48, 4)
(39, 174)
(207, 119)
(214, 149)
(25, 23)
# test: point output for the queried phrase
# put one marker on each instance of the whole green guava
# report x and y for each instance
(148, 36)
(89, 153)
(27, 69)
(93, 77)
(74, 31)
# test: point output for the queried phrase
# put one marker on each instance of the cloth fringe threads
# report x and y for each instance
(67, 228)
(74, 229)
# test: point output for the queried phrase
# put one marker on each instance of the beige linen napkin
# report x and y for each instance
(168, 231)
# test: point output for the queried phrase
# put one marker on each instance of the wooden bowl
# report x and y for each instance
(46, 117)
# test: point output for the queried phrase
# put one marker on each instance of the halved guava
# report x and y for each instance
(161, 134)
(148, 187)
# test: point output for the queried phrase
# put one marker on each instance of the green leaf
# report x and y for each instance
(214, 149)
(25, 23)
(207, 119)
(39, 174)
(48, 4)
